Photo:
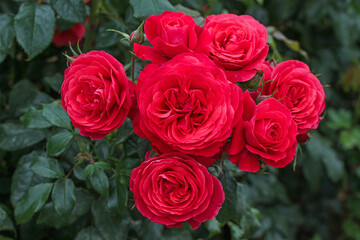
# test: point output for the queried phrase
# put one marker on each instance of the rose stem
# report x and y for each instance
(91, 27)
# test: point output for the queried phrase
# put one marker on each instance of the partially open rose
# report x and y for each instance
(173, 188)
(96, 94)
(238, 44)
(172, 33)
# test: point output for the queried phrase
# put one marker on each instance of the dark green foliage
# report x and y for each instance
(56, 184)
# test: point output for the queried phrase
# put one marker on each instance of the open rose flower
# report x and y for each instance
(172, 33)
(69, 36)
(186, 105)
(238, 44)
(267, 131)
(173, 188)
(301, 91)
(96, 94)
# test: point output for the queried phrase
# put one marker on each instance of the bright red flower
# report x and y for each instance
(173, 188)
(96, 94)
(238, 44)
(267, 131)
(298, 89)
(186, 105)
(170, 34)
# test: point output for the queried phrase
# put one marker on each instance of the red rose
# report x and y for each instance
(173, 188)
(267, 131)
(238, 44)
(301, 91)
(186, 105)
(69, 36)
(96, 94)
(172, 33)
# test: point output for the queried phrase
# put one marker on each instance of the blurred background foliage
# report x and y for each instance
(316, 198)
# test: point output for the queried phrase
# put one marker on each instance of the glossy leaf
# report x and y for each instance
(32, 202)
(34, 27)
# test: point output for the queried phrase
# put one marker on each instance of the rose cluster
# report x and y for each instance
(188, 102)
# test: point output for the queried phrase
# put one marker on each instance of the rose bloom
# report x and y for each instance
(267, 131)
(173, 188)
(69, 36)
(96, 94)
(238, 44)
(170, 34)
(186, 105)
(301, 91)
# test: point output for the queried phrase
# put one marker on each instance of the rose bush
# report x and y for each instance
(173, 188)
(296, 87)
(238, 44)
(267, 131)
(96, 94)
(170, 34)
(186, 105)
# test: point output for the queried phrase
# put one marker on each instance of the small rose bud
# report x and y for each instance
(138, 36)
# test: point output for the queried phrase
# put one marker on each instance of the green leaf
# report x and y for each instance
(103, 165)
(231, 208)
(34, 27)
(351, 229)
(320, 148)
(56, 114)
(58, 142)
(55, 81)
(111, 225)
(118, 198)
(333, 165)
(98, 179)
(213, 226)
(146, 8)
(89, 233)
(3, 215)
(23, 177)
(236, 231)
(34, 119)
(47, 167)
(7, 33)
(48, 215)
(32, 202)
(105, 38)
(63, 196)
(339, 119)
(14, 136)
(101, 149)
(2, 57)
(70, 10)
(5, 222)
(25, 95)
